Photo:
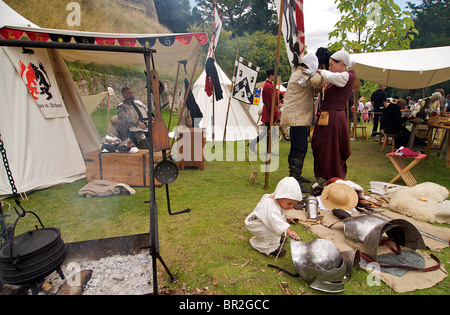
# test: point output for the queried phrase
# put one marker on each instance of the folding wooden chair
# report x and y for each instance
(404, 171)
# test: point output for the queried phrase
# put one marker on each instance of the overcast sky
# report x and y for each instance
(320, 18)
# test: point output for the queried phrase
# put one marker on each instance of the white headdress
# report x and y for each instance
(345, 57)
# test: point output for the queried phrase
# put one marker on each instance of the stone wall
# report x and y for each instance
(145, 6)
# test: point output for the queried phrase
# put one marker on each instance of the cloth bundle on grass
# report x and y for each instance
(105, 188)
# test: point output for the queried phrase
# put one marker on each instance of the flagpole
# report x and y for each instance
(231, 95)
(174, 95)
(274, 94)
(213, 120)
(187, 93)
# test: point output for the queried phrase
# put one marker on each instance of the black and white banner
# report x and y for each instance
(245, 82)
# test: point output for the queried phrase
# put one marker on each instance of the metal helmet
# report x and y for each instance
(368, 230)
(321, 263)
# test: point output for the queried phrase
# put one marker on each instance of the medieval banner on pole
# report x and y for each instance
(245, 82)
(217, 28)
(293, 28)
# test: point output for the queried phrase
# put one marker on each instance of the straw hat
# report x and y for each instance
(340, 196)
(402, 101)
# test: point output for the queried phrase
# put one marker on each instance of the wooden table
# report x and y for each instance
(415, 127)
(444, 142)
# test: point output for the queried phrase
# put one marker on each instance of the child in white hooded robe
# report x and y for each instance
(268, 223)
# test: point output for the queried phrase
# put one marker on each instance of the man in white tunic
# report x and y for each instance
(268, 223)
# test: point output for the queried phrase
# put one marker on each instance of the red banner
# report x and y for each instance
(41, 37)
(105, 41)
(7, 33)
(129, 42)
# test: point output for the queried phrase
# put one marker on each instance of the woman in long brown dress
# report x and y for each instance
(331, 143)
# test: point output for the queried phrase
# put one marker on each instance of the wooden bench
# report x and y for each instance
(363, 134)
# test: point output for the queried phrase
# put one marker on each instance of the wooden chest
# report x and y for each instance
(127, 168)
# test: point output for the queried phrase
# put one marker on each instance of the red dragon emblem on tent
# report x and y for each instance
(35, 77)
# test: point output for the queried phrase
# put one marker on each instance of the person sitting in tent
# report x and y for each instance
(131, 120)
(392, 121)
(428, 107)
(267, 95)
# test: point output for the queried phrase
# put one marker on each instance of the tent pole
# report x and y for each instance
(107, 114)
(213, 119)
(174, 94)
(186, 96)
(231, 95)
(272, 111)
(71, 46)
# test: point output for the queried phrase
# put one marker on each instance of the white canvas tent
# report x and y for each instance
(240, 124)
(45, 152)
(405, 69)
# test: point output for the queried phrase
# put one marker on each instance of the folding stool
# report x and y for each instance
(404, 171)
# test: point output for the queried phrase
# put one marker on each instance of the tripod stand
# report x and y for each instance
(154, 237)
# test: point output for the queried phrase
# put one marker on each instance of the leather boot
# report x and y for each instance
(295, 170)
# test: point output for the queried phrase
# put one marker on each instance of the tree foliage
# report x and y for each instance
(259, 47)
(431, 18)
(369, 25)
(174, 14)
(242, 16)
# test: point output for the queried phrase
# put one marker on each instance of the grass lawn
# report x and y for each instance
(209, 248)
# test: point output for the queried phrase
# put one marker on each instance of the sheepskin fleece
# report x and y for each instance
(425, 202)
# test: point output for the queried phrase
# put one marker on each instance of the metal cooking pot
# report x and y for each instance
(31, 256)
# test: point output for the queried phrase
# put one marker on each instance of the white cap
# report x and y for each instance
(345, 57)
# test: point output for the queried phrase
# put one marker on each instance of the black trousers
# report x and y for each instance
(376, 119)
(299, 139)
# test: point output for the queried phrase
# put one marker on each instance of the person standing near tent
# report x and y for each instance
(331, 141)
(299, 113)
(267, 95)
(379, 101)
(131, 119)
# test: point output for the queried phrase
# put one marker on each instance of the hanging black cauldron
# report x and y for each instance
(31, 256)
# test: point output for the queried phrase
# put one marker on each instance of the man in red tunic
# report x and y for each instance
(267, 95)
